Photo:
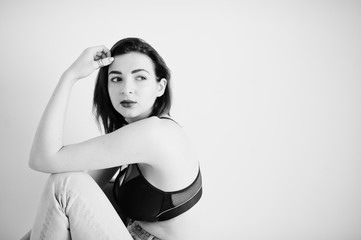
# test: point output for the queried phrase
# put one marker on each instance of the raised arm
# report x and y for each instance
(151, 140)
(49, 135)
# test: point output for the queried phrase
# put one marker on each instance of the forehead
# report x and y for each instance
(131, 61)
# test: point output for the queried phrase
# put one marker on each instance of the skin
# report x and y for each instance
(159, 146)
(132, 77)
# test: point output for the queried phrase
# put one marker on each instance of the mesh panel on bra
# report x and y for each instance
(178, 197)
(182, 196)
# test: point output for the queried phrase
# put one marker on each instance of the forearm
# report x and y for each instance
(48, 139)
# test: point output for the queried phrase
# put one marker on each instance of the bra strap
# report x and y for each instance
(169, 118)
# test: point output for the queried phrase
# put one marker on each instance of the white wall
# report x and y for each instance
(269, 93)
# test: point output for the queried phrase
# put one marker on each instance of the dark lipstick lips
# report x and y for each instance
(127, 103)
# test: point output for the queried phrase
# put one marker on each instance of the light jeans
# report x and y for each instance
(73, 206)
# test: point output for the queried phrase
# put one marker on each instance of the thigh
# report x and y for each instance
(75, 202)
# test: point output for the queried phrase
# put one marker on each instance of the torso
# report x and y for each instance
(178, 172)
(183, 227)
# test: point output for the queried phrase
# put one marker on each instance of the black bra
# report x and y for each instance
(139, 200)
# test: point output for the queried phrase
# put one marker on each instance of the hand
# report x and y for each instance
(89, 61)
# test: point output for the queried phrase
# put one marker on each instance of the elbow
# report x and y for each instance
(39, 163)
(33, 161)
(34, 165)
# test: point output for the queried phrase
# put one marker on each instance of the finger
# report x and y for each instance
(104, 55)
(107, 61)
(103, 62)
(96, 58)
(108, 54)
(102, 49)
(100, 55)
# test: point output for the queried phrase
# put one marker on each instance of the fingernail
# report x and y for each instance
(111, 59)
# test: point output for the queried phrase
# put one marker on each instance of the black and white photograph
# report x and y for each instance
(180, 120)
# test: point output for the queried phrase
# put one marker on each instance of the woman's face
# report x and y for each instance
(132, 85)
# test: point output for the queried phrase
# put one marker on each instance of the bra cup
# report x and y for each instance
(141, 201)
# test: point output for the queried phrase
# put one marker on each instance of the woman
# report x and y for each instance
(158, 190)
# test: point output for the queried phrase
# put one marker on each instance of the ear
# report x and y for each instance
(162, 84)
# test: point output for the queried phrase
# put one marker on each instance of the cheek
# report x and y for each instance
(151, 95)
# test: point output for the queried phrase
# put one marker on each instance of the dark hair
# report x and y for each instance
(102, 106)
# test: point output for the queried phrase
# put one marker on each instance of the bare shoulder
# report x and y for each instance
(170, 133)
(180, 147)
(162, 129)
(177, 160)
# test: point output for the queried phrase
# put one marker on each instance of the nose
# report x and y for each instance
(128, 87)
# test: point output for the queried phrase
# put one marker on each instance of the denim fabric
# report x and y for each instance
(74, 207)
(138, 233)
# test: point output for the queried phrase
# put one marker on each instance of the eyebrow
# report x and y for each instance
(134, 71)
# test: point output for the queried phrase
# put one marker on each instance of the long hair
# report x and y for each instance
(103, 109)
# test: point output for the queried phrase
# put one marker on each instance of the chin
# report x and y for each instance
(133, 117)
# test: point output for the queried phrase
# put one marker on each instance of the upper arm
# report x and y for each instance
(139, 142)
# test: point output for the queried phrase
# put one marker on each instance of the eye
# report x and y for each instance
(140, 78)
(116, 79)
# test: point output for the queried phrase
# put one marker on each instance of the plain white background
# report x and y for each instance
(269, 93)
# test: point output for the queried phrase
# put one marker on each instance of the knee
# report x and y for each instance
(74, 176)
(69, 181)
